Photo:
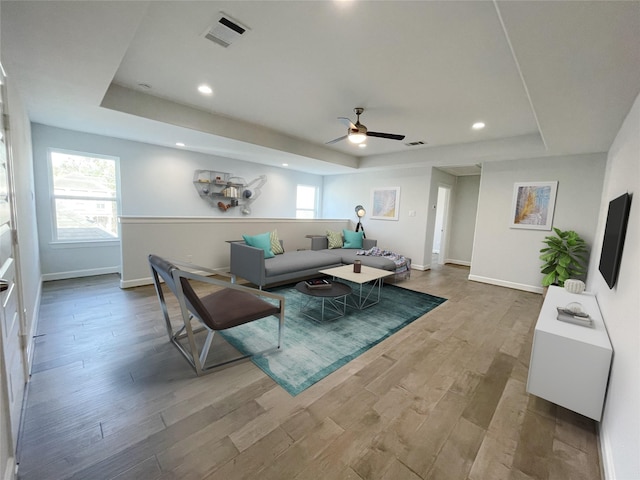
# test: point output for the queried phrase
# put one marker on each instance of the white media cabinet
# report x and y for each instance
(570, 363)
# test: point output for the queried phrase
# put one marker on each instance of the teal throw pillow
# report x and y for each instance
(262, 241)
(352, 239)
(334, 239)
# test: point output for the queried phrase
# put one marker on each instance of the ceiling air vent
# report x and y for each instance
(414, 144)
(225, 31)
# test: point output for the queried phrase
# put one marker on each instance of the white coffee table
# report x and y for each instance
(367, 274)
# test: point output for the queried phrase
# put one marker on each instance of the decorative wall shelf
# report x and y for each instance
(225, 191)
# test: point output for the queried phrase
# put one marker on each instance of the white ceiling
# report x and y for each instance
(547, 78)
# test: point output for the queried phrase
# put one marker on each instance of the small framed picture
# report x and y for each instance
(533, 205)
(385, 203)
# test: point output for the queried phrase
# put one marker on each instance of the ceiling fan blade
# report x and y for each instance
(336, 140)
(390, 136)
(348, 123)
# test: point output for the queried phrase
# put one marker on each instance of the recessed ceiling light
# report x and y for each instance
(205, 89)
(285, 164)
(362, 145)
(478, 126)
(179, 144)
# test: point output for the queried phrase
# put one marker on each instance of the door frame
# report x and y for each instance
(444, 209)
(12, 417)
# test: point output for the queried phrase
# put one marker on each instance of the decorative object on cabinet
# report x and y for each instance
(573, 285)
(224, 191)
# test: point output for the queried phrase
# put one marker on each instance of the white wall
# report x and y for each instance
(406, 235)
(155, 181)
(620, 307)
(463, 219)
(509, 256)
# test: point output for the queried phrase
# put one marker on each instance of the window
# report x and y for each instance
(306, 201)
(85, 196)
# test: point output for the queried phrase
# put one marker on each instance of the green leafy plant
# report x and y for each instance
(564, 257)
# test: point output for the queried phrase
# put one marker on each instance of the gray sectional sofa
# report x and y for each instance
(249, 262)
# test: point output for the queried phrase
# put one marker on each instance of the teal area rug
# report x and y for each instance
(314, 349)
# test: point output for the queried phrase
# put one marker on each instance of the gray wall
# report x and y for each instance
(406, 235)
(463, 219)
(620, 307)
(410, 235)
(509, 256)
(154, 181)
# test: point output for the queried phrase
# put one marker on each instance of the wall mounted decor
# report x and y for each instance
(224, 191)
(385, 203)
(533, 205)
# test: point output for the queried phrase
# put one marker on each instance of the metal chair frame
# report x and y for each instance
(198, 359)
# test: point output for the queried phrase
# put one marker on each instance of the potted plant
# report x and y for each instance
(564, 257)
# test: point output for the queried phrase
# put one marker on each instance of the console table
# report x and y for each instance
(570, 363)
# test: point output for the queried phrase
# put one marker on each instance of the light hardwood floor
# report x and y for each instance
(444, 398)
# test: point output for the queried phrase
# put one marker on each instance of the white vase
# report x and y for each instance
(573, 285)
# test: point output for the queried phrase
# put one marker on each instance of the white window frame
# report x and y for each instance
(53, 197)
(314, 210)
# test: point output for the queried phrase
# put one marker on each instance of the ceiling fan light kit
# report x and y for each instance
(357, 137)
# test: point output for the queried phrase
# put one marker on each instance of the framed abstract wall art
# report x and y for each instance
(385, 203)
(533, 205)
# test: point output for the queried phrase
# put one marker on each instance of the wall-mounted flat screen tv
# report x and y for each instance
(614, 233)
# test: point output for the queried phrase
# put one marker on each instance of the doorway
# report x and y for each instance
(440, 230)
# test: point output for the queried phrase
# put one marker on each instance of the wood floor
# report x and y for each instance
(444, 398)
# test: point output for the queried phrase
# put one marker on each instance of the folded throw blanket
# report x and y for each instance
(403, 264)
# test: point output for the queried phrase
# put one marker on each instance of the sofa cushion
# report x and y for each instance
(262, 241)
(352, 239)
(335, 239)
(276, 246)
(298, 261)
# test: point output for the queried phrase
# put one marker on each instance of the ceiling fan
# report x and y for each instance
(358, 133)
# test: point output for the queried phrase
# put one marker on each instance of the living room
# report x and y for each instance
(156, 189)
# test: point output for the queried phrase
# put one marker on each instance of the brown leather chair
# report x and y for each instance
(228, 307)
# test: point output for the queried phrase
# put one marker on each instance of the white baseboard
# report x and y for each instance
(606, 455)
(420, 267)
(80, 273)
(139, 282)
(35, 320)
(464, 263)
(10, 470)
(503, 283)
